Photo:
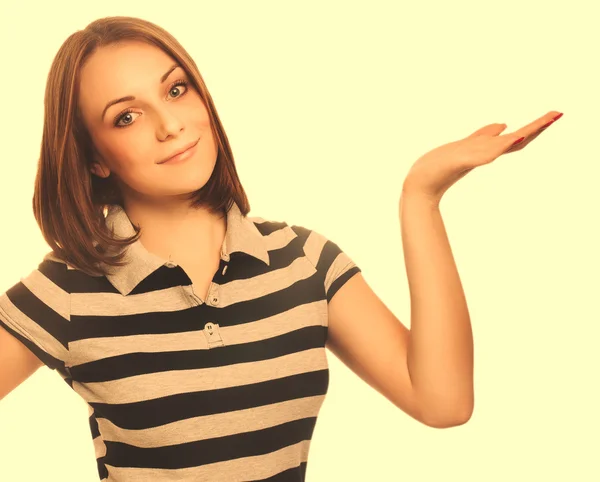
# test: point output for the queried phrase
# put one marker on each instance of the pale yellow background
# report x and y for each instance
(327, 105)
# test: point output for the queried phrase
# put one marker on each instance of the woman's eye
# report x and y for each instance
(176, 87)
(125, 116)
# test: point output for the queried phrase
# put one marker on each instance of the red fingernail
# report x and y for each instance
(518, 140)
(558, 116)
(546, 125)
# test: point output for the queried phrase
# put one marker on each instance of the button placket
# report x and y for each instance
(211, 329)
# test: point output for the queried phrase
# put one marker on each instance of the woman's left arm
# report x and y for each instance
(426, 371)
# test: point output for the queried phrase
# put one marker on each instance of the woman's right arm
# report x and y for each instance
(17, 363)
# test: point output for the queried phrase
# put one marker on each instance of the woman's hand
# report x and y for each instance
(433, 173)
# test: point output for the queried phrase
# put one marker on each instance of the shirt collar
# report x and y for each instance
(241, 235)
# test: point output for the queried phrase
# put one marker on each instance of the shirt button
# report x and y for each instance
(213, 297)
(170, 264)
(213, 336)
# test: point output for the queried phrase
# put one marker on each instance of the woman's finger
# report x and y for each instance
(510, 143)
(489, 130)
(539, 123)
(521, 145)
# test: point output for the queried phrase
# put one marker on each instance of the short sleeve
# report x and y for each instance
(36, 311)
(334, 266)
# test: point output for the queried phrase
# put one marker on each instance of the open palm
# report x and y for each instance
(433, 173)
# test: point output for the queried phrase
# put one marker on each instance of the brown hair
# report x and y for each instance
(69, 202)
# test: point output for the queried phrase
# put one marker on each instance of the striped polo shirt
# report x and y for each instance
(180, 388)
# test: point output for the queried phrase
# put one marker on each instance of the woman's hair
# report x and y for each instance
(69, 202)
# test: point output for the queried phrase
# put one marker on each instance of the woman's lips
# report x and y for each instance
(182, 156)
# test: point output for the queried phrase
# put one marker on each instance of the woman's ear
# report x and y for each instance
(100, 170)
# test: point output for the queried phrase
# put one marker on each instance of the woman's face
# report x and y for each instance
(131, 137)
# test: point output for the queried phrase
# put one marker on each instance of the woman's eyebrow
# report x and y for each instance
(131, 97)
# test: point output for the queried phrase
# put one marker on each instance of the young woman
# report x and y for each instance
(195, 333)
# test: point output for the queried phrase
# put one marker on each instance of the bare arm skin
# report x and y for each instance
(17, 363)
